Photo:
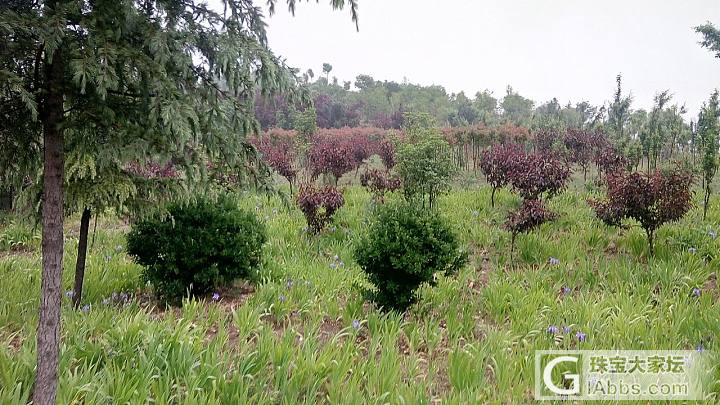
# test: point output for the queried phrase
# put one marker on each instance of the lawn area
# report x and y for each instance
(301, 332)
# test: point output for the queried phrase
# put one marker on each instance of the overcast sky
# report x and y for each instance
(569, 49)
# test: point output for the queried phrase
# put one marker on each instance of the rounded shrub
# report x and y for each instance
(196, 247)
(405, 247)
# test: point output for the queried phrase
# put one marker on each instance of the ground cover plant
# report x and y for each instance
(464, 340)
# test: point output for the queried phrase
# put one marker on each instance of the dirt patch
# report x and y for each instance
(26, 252)
(329, 328)
(711, 285)
(16, 343)
(235, 296)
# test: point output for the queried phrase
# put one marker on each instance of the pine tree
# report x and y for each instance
(171, 78)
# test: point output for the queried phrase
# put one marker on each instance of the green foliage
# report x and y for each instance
(516, 108)
(212, 353)
(708, 128)
(304, 122)
(197, 247)
(619, 116)
(406, 246)
(424, 160)
(711, 37)
(18, 236)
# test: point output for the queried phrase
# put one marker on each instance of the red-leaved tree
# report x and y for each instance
(538, 174)
(497, 164)
(581, 148)
(530, 215)
(379, 182)
(319, 205)
(330, 155)
(278, 152)
(651, 199)
(609, 161)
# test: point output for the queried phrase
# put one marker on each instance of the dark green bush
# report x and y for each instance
(405, 247)
(197, 248)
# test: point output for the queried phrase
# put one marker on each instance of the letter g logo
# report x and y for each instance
(575, 378)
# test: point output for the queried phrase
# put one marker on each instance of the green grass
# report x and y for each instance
(289, 339)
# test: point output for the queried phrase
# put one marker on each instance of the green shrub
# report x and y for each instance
(424, 160)
(197, 248)
(405, 247)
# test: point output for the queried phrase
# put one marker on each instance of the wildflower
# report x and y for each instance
(118, 248)
(70, 294)
(554, 261)
(692, 250)
(356, 324)
(85, 309)
(108, 258)
(333, 265)
(336, 258)
(308, 283)
(696, 292)
(712, 234)
(566, 329)
(106, 301)
(580, 336)
(700, 348)
(275, 211)
(289, 283)
(282, 298)
(552, 329)
(565, 290)
(475, 213)
(216, 296)
(341, 264)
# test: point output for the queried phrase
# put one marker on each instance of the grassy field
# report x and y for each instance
(299, 332)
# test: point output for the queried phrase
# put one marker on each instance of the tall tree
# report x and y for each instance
(486, 106)
(708, 127)
(711, 37)
(516, 108)
(657, 129)
(327, 68)
(619, 116)
(176, 73)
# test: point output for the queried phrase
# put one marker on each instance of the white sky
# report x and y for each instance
(569, 49)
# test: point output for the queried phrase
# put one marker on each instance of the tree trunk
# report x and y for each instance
(6, 199)
(48, 333)
(651, 242)
(492, 198)
(81, 255)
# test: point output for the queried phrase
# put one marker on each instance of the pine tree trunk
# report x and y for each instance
(81, 255)
(48, 333)
(6, 199)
